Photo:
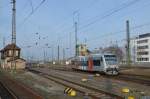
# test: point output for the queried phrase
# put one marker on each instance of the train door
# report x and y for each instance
(80, 63)
(85, 64)
(97, 63)
(102, 64)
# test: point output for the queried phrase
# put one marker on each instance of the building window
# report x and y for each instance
(10, 53)
(142, 47)
(142, 41)
(142, 59)
(142, 53)
(17, 53)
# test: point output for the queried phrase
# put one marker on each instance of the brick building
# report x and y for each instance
(10, 54)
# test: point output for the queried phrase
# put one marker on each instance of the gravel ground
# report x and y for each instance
(136, 71)
(46, 88)
(103, 83)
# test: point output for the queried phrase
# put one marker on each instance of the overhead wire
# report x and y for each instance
(112, 11)
(121, 31)
(31, 5)
(32, 12)
(78, 10)
(117, 32)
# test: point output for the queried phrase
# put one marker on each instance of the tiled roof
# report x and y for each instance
(15, 59)
(10, 47)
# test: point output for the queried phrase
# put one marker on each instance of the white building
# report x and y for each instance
(141, 45)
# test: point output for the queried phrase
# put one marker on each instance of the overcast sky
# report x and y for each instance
(51, 24)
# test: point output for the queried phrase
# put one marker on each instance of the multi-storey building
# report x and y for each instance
(142, 48)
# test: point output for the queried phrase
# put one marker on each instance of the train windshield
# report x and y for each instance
(110, 59)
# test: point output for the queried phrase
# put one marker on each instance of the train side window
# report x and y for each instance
(101, 59)
(96, 62)
(85, 63)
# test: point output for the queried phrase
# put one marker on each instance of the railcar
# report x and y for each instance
(103, 63)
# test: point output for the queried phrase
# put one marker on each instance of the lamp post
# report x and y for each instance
(64, 54)
(52, 53)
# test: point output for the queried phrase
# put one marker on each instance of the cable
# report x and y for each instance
(32, 12)
(121, 31)
(111, 12)
(125, 5)
(31, 5)
(117, 32)
(78, 10)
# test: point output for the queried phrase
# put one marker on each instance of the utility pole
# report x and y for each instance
(58, 54)
(70, 44)
(14, 22)
(13, 64)
(63, 54)
(76, 38)
(44, 56)
(128, 44)
(76, 21)
(52, 54)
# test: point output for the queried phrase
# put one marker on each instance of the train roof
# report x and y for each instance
(101, 54)
(92, 55)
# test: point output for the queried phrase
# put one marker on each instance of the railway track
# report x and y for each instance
(91, 91)
(132, 78)
(12, 89)
(129, 78)
(6, 93)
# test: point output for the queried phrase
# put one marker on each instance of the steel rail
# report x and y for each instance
(94, 95)
(12, 94)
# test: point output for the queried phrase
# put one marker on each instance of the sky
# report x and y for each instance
(100, 24)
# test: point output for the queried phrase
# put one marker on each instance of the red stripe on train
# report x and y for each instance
(90, 64)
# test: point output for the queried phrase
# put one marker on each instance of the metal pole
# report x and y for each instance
(58, 54)
(63, 54)
(44, 56)
(70, 44)
(52, 54)
(76, 39)
(13, 64)
(128, 44)
(14, 22)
